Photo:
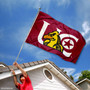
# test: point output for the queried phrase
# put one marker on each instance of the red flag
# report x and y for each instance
(55, 37)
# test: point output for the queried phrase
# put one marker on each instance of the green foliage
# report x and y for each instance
(71, 77)
(84, 74)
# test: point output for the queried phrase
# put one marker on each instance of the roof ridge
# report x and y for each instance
(23, 65)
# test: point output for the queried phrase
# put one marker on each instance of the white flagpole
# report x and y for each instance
(26, 37)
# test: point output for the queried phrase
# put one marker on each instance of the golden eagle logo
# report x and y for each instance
(53, 40)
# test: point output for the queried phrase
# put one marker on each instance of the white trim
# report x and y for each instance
(83, 80)
(66, 80)
(46, 76)
(1, 65)
(9, 74)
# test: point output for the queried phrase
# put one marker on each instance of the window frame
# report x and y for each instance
(51, 80)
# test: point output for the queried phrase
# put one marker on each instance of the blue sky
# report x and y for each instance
(16, 18)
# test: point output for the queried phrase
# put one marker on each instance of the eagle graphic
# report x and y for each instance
(53, 40)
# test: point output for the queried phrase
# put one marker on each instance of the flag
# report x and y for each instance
(55, 37)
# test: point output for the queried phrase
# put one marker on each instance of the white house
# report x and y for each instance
(44, 74)
(84, 84)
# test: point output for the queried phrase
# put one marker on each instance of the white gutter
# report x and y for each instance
(83, 80)
(1, 65)
(9, 74)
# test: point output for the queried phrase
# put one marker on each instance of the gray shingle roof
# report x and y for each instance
(24, 65)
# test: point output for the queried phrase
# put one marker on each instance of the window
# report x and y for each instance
(48, 74)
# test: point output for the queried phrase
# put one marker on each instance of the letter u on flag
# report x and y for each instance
(55, 37)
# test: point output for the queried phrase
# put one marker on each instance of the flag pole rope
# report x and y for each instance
(26, 36)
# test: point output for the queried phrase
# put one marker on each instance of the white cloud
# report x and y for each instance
(8, 57)
(83, 9)
(32, 3)
(28, 3)
(30, 48)
(86, 28)
(42, 55)
(86, 31)
(21, 34)
(88, 40)
(69, 71)
(76, 76)
(62, 2)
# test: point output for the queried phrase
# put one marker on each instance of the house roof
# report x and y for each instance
(83, 80)
(32, 65)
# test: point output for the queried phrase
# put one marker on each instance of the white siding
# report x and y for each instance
(85, 86)
(40, 82)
